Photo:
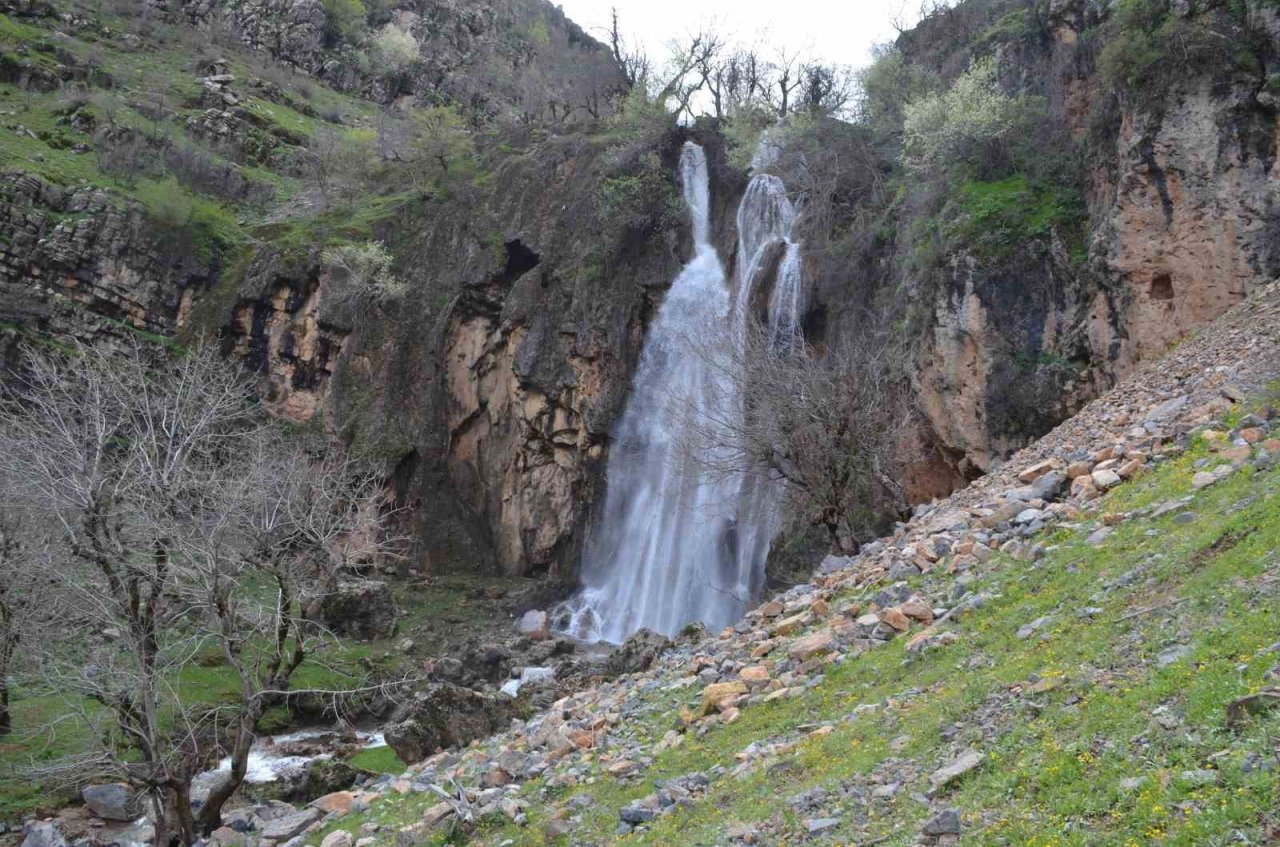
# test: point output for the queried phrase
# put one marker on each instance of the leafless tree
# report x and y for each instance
(634, 61)
(820, 423)
(182, 521)
(24, 604)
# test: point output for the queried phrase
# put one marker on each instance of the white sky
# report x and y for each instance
(840, 31)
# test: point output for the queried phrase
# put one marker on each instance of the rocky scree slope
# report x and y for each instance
(1081, 651)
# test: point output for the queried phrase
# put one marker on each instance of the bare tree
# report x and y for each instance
(634, 61)
(24, 605)
(181, 520)
(822, 424)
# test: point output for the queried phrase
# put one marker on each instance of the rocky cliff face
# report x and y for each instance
(75, 263)
(1182, 216)
(490, 384)
(495, 57)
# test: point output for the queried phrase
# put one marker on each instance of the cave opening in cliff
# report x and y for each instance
(520, 260)
(1162, 287)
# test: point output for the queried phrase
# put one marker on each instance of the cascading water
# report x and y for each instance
(677, 543)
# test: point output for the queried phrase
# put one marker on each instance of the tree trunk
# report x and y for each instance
(182, 808)
(211, 813)
(6, 721)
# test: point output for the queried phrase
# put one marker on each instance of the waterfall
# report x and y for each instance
(676, 543)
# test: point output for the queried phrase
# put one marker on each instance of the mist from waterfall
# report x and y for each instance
(677, 543)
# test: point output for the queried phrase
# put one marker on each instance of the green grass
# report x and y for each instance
(994, 219)
(1057, 759)
(377, 760)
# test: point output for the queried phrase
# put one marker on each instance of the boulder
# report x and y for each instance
(112, 802)
(43, 834)
(446, 715)
(638, 653)
(819, 643)
(338, 838)
(715, 694)
(362, 609)
(535, 624)
(288, 826)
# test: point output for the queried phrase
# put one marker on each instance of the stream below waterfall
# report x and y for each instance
(681, 539)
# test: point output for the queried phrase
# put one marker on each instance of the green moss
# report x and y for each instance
(993, 219)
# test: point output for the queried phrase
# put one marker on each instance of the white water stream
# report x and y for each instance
(676, 543)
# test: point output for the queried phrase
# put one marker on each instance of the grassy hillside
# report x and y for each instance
(1093, 682)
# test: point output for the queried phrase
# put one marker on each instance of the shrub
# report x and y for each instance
(346, 19)
(643, 199)
(971, 122)
(394, 49)
(366, 265)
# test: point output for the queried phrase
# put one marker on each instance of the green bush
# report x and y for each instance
(640, 200)
(346, 19)
(972, 121)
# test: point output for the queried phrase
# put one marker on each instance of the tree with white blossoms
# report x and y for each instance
(973, 119)
(180, 522)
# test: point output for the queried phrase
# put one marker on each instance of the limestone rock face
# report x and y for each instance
(74, 264)
(1181, 205)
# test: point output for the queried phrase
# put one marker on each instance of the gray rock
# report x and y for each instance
(290, 826)
(1030, 629)
(112, 802)
(43, 834)
(816, 826)
(1169, 655)
(965, 762)
(946, 822)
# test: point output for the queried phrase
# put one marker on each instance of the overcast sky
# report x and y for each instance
(840, 31)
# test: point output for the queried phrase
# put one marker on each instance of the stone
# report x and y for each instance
(112, 802)
(817, 826)
(338, 838)
(961, 765)
(620, 768)
(361, 609)
(946, 822)
(534, 624)
(772, 609)
(819, 643)
(1027, 630)
(754, 673)
(339, 802)
(786, 626)
(444, 715)
(1253, 434)
(917, 610)
(1173, 654)
(894, 617)
(716, 693)
(1036, 471)
(1075, 470)
(43, 834)
(637, 653)
(289, 826)
(1106, 479)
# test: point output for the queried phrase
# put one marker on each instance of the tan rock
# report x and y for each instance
(1082, 488)
(1271, 445)
(1036, 471)
(1131, 468)
(772, 609)
(754, 673)
(718, 692)
(817, 644)
(786, 626)
(820, 608)
(622, 767)
(764, 648)
(917, 610)
(894, 617)
(339, 802)
(1253, 434)
(1105, 479)
(1079, 469)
